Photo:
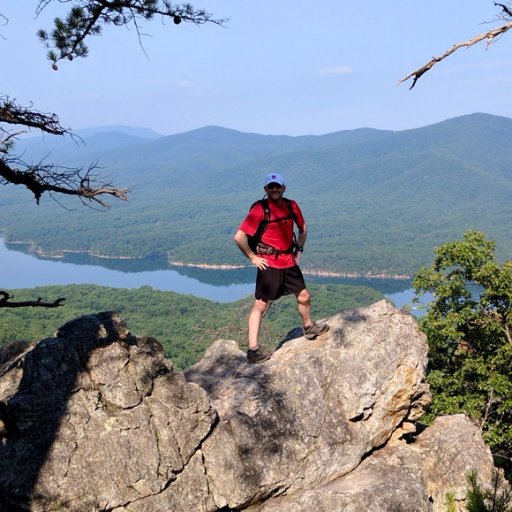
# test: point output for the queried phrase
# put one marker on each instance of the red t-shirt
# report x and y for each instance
(278, 235)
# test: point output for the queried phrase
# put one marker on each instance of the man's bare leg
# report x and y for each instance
(311, 329)
(257, 312)
(304, 307)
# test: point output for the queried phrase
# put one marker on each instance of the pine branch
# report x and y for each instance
(87, 17)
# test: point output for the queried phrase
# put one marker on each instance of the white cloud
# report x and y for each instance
(336, 71)
(184, 84)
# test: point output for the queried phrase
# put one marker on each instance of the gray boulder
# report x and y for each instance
(96, 419)
(402, 477)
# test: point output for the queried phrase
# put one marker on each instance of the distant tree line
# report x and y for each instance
(185, 325)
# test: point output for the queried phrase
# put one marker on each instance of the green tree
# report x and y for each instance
(468, 327)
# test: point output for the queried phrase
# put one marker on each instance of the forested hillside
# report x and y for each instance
(376, 201)
(185, 325)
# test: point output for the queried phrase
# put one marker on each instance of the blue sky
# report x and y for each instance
(286, 67)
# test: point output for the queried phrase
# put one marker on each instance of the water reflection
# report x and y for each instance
(19, 269)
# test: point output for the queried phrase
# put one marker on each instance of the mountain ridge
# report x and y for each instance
(376, 201)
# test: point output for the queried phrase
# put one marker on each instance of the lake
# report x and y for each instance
(19, 269)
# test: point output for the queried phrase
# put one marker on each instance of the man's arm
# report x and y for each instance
(301, 240)
(241, 241)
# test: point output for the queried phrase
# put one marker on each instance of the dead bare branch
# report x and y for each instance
(490, 36)
(11, 113)
(6, 302)
(505, 9)
(506, 330)
(41, 178)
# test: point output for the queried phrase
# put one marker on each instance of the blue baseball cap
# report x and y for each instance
(274, 178)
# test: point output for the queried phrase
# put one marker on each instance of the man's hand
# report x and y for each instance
(259, 262)
(296, 257)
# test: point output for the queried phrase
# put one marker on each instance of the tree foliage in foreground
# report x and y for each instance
(496, 499)
(468, 325)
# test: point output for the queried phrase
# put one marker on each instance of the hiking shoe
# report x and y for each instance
(313, 330)
(257, 356)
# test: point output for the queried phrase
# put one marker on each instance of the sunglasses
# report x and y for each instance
(274, 185)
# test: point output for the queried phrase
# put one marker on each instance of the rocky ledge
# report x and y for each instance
(96, 419)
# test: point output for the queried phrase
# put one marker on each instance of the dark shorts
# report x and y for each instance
(273, 283)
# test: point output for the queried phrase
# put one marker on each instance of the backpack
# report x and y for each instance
(254, 241)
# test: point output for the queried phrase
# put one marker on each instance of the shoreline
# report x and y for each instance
(309, 272)
(59, 254)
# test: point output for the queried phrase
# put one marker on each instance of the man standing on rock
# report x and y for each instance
(266, 237)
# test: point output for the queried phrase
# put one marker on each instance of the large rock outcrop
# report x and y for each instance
(95, 419)
(315, 409)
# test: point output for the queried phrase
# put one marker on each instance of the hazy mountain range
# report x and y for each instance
(376, 201)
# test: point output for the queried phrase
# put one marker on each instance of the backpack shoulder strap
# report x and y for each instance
(263, 223)
(264, 204)
(266, 208)
(290, 207)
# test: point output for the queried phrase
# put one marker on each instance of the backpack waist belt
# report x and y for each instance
(265, 249)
